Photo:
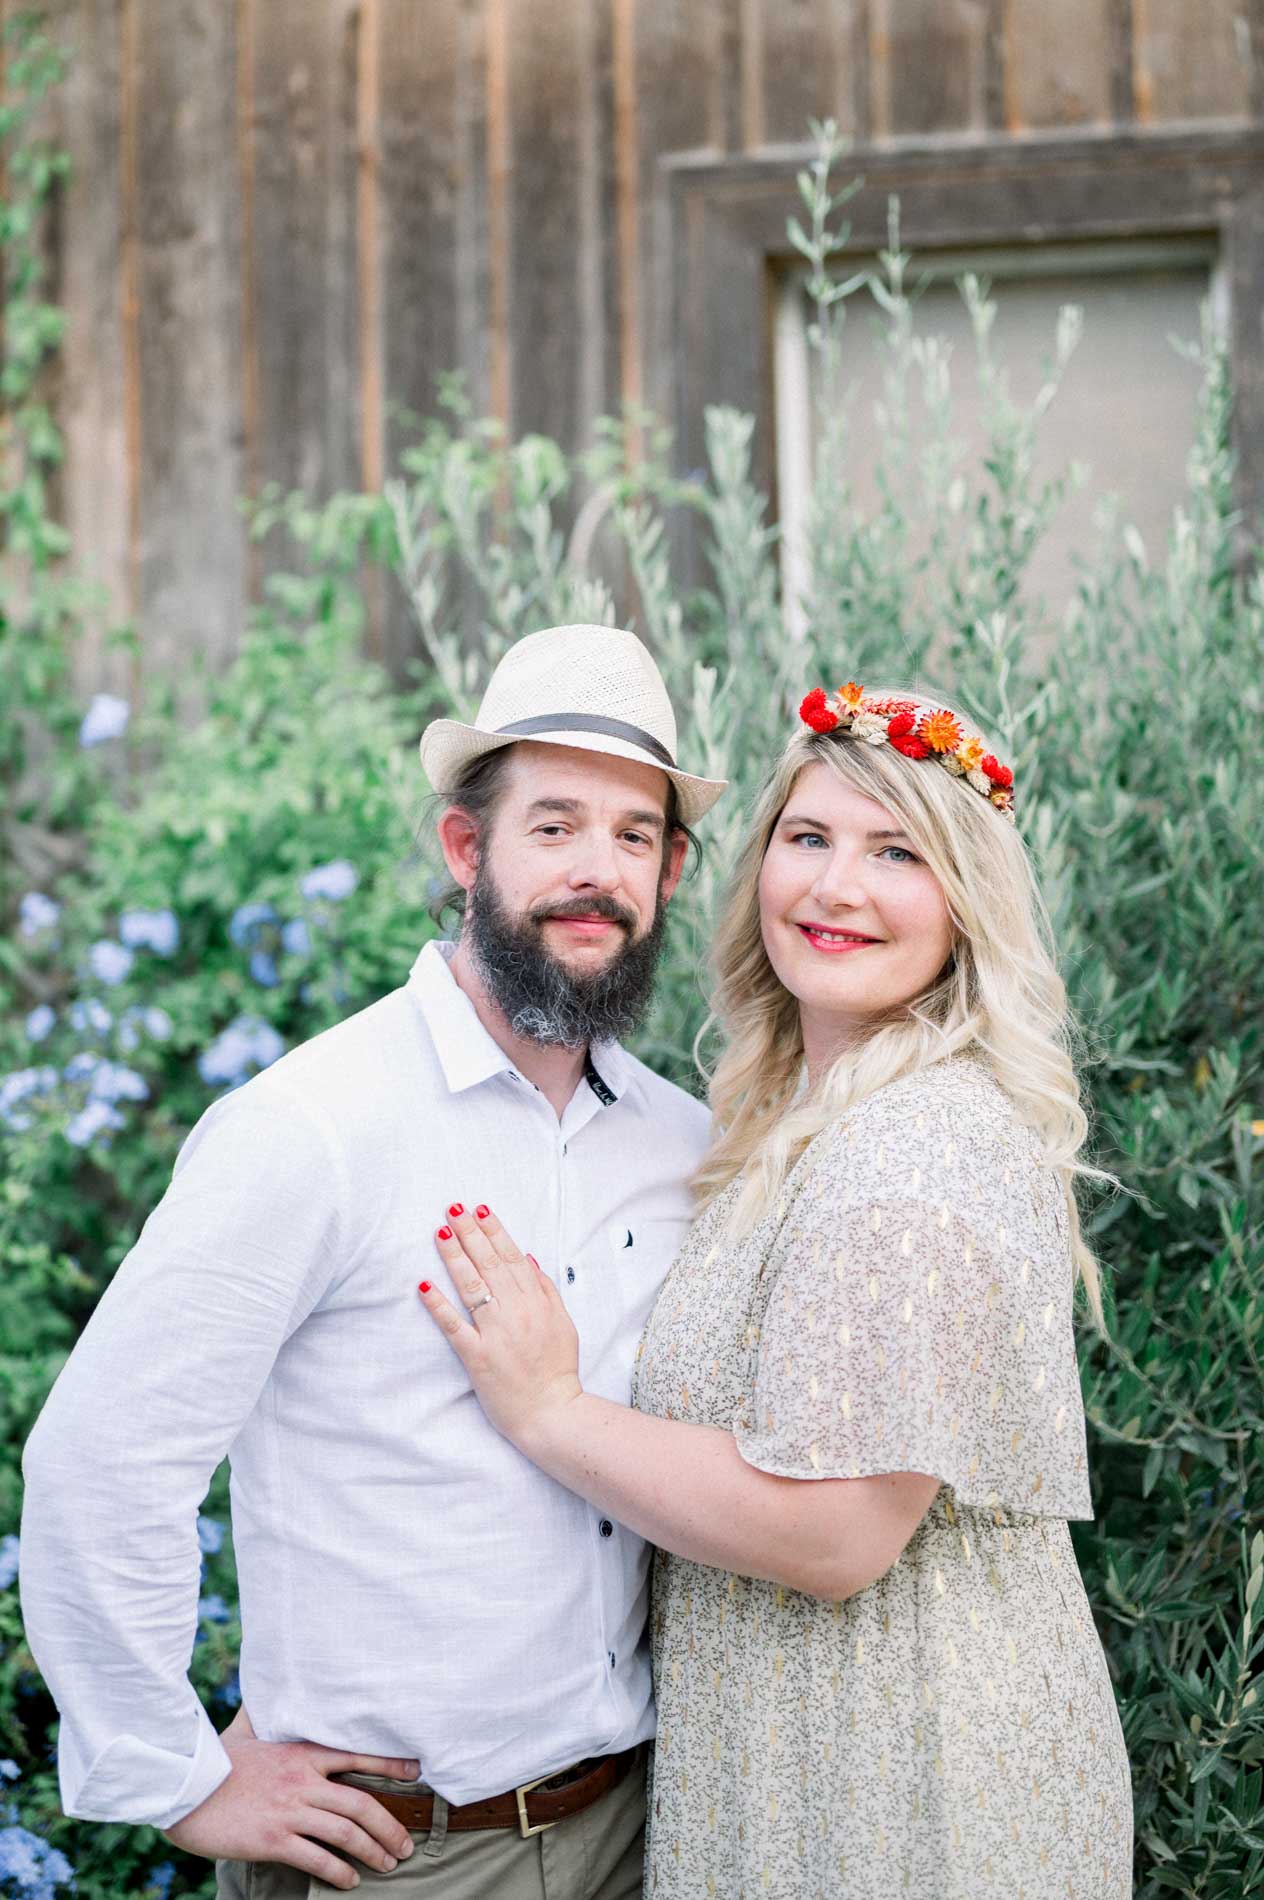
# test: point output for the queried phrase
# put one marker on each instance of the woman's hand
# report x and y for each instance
(519, 1345)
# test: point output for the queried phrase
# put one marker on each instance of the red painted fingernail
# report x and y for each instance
(535, 1263)
(455, 1209)
(445, 1233)
(423, 1286)
(482, 1212)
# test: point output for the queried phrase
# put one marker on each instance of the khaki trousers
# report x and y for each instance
(596, 1855)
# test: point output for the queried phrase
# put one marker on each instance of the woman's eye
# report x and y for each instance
(812, 838)
(897, 854)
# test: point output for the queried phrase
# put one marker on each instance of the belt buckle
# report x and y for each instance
(525, 1827)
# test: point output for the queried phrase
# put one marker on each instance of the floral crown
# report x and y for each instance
(918, 731)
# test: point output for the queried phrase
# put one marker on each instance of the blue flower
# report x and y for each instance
(9, 1771)
(213, 1609)
(153, 1021)
(10, 1548)
(332, 881)
(18, 1087)
(160, 1879)
(114, 1082)
(29, 1867)
(94, 1119)
(109, 961)
(229, 1693)
(264, 970)
(37, 912)
(247, 923)
(296, 938)
(156, 930)
(210, 1535)
(106, 718)
(40, 1022)
(91, 1014)
(248, 1042)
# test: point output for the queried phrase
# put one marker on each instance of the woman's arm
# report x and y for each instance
(685, 1487)
(688, 1488)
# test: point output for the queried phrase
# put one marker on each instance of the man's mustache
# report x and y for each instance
(599, 906)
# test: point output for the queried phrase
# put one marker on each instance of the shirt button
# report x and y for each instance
(612, 1659)
(570, 1276)
(606, 1527)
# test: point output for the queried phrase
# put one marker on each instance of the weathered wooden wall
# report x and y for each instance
(287, 217)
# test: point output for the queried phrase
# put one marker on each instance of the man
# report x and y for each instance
(422, 1611)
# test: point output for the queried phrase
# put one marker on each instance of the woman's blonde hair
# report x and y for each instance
(999, 996)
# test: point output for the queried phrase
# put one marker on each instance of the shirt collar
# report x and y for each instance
(467, 1053)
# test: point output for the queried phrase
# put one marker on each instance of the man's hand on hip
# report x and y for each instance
(279, 1804)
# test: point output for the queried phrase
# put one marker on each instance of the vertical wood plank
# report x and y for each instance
(726, 19)
(543, 216)
(93, 403)
(1059, 62)
(675, 94)
(424, 97)
(192, 564)
(935, 58)
(1197, 59)
(499, 180)
(305, 265)
(805, 58)
(627, 288)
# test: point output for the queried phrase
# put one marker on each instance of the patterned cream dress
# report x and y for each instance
(951, 1731)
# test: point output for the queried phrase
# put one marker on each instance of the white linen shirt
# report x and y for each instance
(410, 1584)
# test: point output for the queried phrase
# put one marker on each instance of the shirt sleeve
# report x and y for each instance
(923, 1321)
(239, 1250)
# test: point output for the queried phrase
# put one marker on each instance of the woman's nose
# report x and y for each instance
(839, 882)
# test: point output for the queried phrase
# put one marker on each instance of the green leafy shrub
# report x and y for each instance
(230, 886)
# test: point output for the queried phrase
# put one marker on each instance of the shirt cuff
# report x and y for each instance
(133, 1781)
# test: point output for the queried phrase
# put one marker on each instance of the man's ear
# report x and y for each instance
(677, 848)
(458, 839)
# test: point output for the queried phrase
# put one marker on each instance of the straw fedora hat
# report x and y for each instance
(595, 688)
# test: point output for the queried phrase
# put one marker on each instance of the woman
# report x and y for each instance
(859, 1433)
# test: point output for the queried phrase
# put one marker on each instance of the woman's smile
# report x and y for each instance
(830, 941)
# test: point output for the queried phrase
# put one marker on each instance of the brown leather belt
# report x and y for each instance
(531, 1808)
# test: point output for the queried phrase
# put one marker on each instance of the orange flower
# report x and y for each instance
(941, 730)
(970, 751)
(851, 695)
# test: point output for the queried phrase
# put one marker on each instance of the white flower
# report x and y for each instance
(980, 780)
(871, 727)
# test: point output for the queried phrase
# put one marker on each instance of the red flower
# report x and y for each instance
(900, 727)
(909, 744)
(815, 713)
(999, 774)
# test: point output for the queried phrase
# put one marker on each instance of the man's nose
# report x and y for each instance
(596, 866)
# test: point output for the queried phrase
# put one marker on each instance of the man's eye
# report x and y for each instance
(637, 837)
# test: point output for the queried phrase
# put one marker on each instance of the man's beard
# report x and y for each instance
(544, 1001)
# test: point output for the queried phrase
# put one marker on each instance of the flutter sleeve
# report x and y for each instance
(920, 1315)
